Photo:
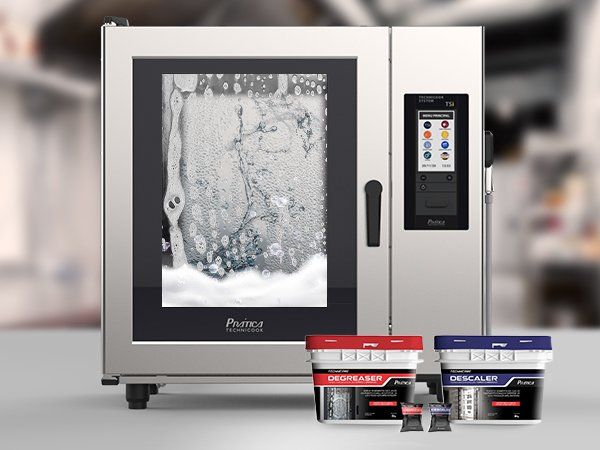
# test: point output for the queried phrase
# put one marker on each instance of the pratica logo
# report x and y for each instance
(243, 326)
(436, 222)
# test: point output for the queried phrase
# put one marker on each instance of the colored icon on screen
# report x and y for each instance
(427, 124)
(445, 156)
(427, 155)
(427, 134)
(445, 144)
(445, 124)
(427, 144)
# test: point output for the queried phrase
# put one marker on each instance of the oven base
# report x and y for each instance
(139, 388)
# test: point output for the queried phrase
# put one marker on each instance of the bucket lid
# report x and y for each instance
(338, 342)
(493, 342)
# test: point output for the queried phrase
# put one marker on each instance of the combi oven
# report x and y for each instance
(263, 184)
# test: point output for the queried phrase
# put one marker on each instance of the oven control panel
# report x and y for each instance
(436, 161)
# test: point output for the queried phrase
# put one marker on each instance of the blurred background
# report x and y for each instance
(543, 105)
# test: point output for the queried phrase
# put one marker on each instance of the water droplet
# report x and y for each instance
(212, 218)
(237, 88)
(193, 229)
(237, 76)
(319, 76)
(250, 93)
(294, 78)
(297, 90)
(312, 84)
(219, 76)
(266, 273)
(225, 240)
(208, 92)
(200, 266)
(213, 268)
(225, 86)
(274, 248)
(221, 271)
(218, 260)
(292, 251)
(209, 256)
(319, 89)
(214, 246)
(279, 201)
(200, 243)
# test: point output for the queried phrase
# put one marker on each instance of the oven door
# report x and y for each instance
(245, 153)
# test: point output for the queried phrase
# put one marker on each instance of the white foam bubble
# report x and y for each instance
(306, 287)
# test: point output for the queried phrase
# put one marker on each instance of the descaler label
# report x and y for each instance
(474, 378)
(493, 394)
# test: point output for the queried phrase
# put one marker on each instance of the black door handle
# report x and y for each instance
(373, 189)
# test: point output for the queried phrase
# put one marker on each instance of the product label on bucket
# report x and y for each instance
(479, 394)
(362, 394)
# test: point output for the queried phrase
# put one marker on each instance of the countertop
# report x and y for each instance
(52, 398)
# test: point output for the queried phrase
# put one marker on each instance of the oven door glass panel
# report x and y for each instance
(256, 210)
(245, 191)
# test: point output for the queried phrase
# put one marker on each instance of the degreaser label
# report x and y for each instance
(358, 379)
(367, 394)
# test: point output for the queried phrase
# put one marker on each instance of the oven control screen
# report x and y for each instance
(436, 141)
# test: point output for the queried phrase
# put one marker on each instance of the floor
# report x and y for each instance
(52, 398)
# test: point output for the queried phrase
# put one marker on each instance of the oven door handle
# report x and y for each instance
(373, 190)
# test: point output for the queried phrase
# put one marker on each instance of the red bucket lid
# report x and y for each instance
(337, 342)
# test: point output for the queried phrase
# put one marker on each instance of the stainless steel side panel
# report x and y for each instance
(370, 46)
(438, 276)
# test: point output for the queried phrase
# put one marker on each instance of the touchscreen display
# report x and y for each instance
(245, 190)
(436, 141)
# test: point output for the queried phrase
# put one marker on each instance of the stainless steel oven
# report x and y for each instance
(299, 181)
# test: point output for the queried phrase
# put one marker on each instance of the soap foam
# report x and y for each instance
(186, 286)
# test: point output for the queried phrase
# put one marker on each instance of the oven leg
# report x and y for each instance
(153, 389)
(434, 384)
(435, 388)
(137, 395)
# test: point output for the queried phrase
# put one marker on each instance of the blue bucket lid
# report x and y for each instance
(493, 342)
